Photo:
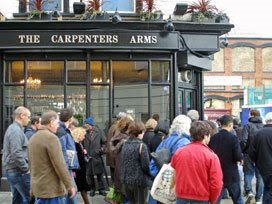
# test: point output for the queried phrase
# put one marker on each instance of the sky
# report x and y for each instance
(251, 18)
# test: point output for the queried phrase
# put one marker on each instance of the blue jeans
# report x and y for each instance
(187, 201)
(234, 192)
(56, 200)
(250, 169)
(19, 186)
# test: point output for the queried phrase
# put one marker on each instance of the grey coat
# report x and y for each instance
(15, 149)
(93, 143)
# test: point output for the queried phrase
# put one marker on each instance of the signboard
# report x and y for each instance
(88, 39)
(214, 114)
(222, 80)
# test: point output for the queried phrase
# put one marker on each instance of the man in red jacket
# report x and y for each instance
(198, 171)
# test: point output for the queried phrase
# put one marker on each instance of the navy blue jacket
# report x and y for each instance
(227, 148)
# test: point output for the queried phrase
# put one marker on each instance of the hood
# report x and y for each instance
(256, 119)
(117, 142)
(163, 127)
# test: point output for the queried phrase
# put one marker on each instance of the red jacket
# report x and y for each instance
(198, 173)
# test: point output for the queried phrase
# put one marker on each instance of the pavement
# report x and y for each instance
(5, 198)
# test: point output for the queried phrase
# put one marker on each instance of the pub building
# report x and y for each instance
(99, 68)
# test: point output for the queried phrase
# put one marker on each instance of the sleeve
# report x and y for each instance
(145, 159)
(17, 152)
(57, 160)
(237, 154)
(63, 142)
(244, 137)
(216, 179)
(253, 148)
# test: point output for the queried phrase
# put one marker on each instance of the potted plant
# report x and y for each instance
(149, 12)
(94, 11)
(221, 17)
(79, 7)
(203, 11)
(37, 12)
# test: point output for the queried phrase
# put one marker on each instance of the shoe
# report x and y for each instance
(258, 201)
(102, 192)
(92, 193)
(249, 198)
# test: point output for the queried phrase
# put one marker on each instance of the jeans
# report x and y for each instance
(56, 200)
(249, 171)
(186, 201)
(74, 199)
(234, 192)
(20, 187)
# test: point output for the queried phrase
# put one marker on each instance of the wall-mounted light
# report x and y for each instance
(57, 14)
(116, 18)
(224, 42)
(169, 26)
(180, 9)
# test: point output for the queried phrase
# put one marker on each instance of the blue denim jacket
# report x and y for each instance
(168, 142)
(67, 143)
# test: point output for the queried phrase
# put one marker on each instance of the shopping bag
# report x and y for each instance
(112, 195)
(163, 188)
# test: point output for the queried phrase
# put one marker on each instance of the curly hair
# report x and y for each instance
(123, 124)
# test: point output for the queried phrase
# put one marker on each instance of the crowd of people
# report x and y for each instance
(49, 159)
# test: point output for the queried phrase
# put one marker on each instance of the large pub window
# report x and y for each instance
(119, 5)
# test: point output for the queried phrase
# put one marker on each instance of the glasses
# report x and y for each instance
(28, 116)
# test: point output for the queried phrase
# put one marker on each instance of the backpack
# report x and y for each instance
(163, 156)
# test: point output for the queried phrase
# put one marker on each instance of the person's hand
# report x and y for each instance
(72, 192)
(84, 151)
(241, 162)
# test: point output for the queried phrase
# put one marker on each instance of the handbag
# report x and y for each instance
(163, 156)
(112, 195)
(163, 188)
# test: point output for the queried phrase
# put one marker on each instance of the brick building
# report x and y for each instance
(245, 62)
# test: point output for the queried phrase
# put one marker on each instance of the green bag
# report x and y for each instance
(115, 196)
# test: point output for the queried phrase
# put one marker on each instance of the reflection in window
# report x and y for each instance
(14, 71)
(160, 71)
(119, 5)
(188, 98)
(100, 72)
(76, 71)
(76, 99)
(130, 72)
(160, 101)
(13, 98)
(100, 106)
(50, 94)
(46, 5)
(243, 59)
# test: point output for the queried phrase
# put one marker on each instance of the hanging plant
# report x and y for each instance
(36, 7)
(93, 10)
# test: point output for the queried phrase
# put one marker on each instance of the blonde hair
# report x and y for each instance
(78, 133)
(181, 124)
(151, 124)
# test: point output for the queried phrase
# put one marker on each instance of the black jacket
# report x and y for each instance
(255, 123)
(227, 148)
(135, 164)
(261, 150)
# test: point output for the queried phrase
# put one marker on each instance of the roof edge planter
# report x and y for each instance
(222, 18)
(149, 12)
(94, 12)
(39, 15)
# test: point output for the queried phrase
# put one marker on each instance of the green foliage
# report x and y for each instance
(221, 17)
(79, 117)
(150, 16)
(92, 13)
(37, 13)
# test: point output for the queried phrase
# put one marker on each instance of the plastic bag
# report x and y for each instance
(112, 195)
(163, 188)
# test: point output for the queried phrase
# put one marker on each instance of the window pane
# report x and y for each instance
(160, 71)
(100, 106)
(160, 101)
(243, 59)
(48, 95)
(48, 5)
(14, 71)
(76, 99)
(99, 71)
(76, 71)
(125, 72)
(119, 5)
(13, 97)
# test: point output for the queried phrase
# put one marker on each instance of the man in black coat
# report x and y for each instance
(227, 148)
(261, 152)
(255, 123)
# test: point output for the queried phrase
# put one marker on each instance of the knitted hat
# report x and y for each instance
(89, 121)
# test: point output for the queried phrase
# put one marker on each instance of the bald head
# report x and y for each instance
(22, 115)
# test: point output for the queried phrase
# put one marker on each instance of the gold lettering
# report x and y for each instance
(67, 38)
(54, 38)
(132, 40)
(81, 39)
(88, 38)
(102, 39)
(154, 39)
(115, 39)
(74, 38)
(21, 38)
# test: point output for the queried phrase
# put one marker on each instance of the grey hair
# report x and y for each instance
(20, 110)
(121, 115)
(268, 118)
(193, 115)
(181, 124)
